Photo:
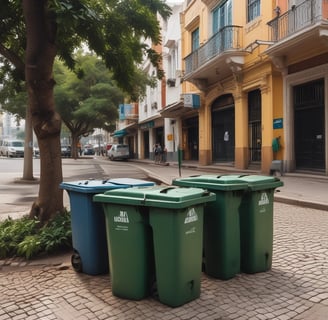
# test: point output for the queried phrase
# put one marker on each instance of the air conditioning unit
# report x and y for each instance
(191, 100)
(154, 105)
(171, 82)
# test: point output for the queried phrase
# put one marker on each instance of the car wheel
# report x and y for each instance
(111, 158)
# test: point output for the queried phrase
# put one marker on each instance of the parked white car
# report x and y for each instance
(12, 148)
(119, 152)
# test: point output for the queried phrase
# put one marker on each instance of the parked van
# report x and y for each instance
(12, 148)
(119, 152)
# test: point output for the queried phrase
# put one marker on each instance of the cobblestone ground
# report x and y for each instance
(295, 288)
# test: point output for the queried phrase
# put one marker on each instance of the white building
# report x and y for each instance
(155, 127)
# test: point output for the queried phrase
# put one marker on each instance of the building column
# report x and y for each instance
(152, 142)
(205, 139)
(169, 133)
(267, 124)
(241, 129)
(141, 153)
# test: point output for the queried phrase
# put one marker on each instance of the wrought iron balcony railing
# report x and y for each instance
(299, 17)
(227, 38)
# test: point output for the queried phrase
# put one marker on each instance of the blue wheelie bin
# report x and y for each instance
(88, 226)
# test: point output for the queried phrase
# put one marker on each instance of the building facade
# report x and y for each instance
(154, 127)
(299, 50)
(225, 60)
(259, 67)
(245, 85)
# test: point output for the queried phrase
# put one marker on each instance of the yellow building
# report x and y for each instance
(239, 56)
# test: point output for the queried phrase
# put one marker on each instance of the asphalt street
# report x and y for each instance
(295, 288)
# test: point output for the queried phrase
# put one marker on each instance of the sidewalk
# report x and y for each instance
(304, 190)
(296, 288)
(299, 189)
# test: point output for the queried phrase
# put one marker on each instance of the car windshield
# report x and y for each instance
(122, 146)
(17, 144)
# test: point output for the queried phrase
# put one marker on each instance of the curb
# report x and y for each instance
(302, 203)
(277, 198)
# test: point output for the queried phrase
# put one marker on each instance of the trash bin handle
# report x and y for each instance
(243, 175)
(206, 193)
(194, 176)
(87, 181)
(165, 190)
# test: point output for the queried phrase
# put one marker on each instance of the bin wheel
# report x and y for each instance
(76, 262)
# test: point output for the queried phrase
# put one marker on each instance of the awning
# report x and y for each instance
(120, 133)
(151, 118)
(151, 122)
(176, 110)
(131, 128)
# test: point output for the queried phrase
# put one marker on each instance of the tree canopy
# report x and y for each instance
(88, 99)
(34, 32)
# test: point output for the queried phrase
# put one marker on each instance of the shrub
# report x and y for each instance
(24, 237)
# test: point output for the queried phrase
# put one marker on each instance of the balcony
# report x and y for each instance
(214, 60)
(303, 26)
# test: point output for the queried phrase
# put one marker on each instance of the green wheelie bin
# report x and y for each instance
(221, 223)
(160, 223)
(256, 222)
(129, 245)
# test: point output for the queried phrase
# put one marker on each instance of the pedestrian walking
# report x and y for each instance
(157, 152)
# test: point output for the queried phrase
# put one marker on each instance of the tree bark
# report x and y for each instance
(28, 149)
(40, 55)
(74, 148)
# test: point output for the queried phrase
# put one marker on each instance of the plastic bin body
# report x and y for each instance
(129, 250)
(178, 253)
(88, 236)
(169, 236)
(221, 223)
(88, 226)
(256, 223)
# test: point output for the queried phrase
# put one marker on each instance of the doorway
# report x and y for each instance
(146, 144)
(223, 129)
(254, 126)
(309, 126)
(190, 138)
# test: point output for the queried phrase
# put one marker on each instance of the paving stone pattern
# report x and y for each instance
(295, 288)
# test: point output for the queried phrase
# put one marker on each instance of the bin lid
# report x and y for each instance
(212, 182)
(131, 182)
(260, 182)
(163, 197)
(97, 186)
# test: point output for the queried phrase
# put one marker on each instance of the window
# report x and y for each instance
(221, 16)
(195, 39)
(253, 9)
(171, 61)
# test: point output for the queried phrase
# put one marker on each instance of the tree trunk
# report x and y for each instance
(28, 149)
(40, 55)
(74, 148)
